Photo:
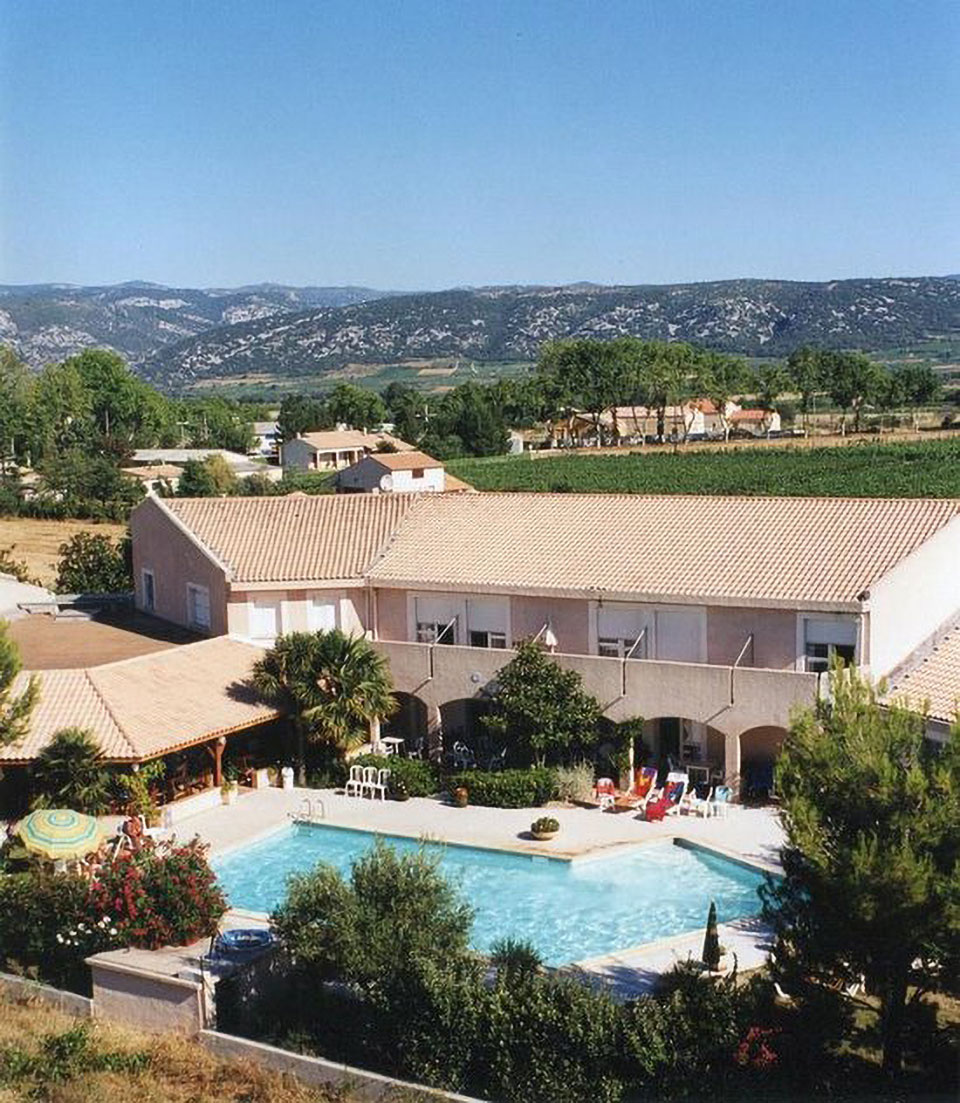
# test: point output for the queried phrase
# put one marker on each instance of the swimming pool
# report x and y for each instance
(570, 911)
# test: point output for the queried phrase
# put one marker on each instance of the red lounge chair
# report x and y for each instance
(671, 796)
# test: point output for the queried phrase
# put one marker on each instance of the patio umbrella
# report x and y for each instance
(60, 834)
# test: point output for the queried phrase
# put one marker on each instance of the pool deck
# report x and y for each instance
(751, 835)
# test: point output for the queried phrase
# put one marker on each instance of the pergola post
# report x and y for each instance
(218, 746)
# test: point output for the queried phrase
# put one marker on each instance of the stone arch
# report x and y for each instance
(678, 738)
(759, 748)
(409, 722)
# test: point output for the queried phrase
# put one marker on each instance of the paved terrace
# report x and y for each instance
(746, 834)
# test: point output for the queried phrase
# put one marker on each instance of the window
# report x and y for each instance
(321, 615)
(418, 472)
(149, 591)
(620, 647)
(198, 606)
(496, 640)
(825, 639)
(432, 632)
(264, 620)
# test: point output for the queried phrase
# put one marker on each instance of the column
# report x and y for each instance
(731, 761)
(434, 731)
(375, 735)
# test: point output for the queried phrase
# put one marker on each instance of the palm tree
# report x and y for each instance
(330, 685)
(70, 773)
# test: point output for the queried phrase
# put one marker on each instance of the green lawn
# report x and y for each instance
(872, 470)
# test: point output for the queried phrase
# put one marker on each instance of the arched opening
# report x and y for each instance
(679, 743)
(460, 720)
(408, 723)
(759, 749)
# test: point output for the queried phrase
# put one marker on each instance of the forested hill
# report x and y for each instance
(745, 316)
(48, 322)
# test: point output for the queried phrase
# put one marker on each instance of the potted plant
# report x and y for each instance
(398, 789)
(229, 789)
(461, 796)
(713, 952)
(544, 828)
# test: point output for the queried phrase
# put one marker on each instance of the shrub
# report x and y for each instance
(507, 788)
(710, 954)
(92, 563)
(165, 895)
(513, 955)
(419, 777)
(43, 928)
(395, 908)
(574, 783)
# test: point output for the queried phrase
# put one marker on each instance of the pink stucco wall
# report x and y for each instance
(774, 632)
(160, 546)
(569, 619)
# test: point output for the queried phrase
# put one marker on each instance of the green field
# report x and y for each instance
(929, 469)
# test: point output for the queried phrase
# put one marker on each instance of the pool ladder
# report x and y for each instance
(312, 810)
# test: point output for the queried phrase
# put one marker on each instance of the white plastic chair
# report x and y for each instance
(606, 793)
(697, 805)
(354, 786)
(720, 805)
(379, 786)
(368, 781)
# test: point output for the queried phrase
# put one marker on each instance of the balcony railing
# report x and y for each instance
(728, 698)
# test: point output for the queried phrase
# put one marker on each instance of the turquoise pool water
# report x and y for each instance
(568, 910)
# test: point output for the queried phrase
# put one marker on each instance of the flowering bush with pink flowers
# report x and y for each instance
(162, 895)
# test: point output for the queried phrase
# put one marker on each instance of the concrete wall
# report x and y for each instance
(774, 636)
(730, 702)
(161, 546)
(569, 621)
(146, 1001)
(910, 602)
(22, 988)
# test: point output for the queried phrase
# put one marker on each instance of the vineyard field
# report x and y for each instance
(929, 469)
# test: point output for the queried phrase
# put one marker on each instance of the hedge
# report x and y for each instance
(420, 778)
(507, 788)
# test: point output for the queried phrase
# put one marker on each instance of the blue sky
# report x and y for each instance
(426, 145)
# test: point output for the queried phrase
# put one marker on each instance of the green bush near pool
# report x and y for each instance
(506, 788)
(418, 777)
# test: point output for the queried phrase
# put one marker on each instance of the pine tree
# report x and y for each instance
(14, 710)
(872, 859)
(711, 940)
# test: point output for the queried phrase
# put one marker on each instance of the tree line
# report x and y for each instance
(77, 423)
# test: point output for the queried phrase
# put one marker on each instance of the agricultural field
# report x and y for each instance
(927, 469)
(37, 542)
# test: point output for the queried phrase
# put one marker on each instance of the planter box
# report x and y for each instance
(261, 778)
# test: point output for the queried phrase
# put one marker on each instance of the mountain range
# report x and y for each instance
(178, 337)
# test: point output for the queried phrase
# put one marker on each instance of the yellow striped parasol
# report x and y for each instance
(60, 834)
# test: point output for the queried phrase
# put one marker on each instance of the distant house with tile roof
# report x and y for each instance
(712, 617)
(333, 449)
(398, 473)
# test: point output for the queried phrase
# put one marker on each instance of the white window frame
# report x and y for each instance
(146, 573)
(650, 647)
(496, 641)
(430, 632)
(801, 662)
(192, 589)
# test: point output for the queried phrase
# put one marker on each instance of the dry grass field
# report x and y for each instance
(36, 542)
(45, 1054)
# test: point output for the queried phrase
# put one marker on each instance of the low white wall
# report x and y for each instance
(23, 987)
(146, 1001)
(181, 810)
(316, 1070)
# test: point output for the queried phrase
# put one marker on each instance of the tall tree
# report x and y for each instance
(771, 382)
(918, 385)
(331, 686)
(15, 709)
(585, 372)
(539, 709)
(721, 378)
(14, 397)
(300, 413)
(91, 563)
(358, 407)
(871, 880)
(805, 368)
(853, 381)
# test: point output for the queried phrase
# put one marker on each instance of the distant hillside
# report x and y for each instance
(45, 322)
(753, 317)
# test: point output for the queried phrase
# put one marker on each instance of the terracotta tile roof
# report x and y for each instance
(453, 485)
(750, 415)
(790, 550)
(290, 539)
(935, 680)
(155, 471)
(330, 439)
(404, 461)
(149, 705)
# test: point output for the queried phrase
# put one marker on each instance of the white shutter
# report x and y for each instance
(837, 632)
(264, 620)
(321, 615)
(680, 635)
(486, 616)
